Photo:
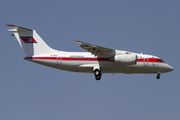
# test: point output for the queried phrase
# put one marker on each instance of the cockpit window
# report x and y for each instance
(160, 60)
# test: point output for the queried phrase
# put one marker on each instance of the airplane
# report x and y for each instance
(96, 60)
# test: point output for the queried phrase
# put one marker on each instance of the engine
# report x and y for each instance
(126, 59)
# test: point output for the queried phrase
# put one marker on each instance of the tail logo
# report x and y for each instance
(28, 39)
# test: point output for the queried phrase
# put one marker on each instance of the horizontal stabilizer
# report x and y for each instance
(18, 28)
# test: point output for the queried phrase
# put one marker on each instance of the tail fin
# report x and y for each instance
(30, 41)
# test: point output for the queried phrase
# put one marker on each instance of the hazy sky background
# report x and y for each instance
(30, 91)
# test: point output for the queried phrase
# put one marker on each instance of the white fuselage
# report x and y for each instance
(85, 61)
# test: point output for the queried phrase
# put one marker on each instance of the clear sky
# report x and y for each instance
(29, 91)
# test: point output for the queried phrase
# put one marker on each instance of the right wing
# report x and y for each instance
(96, 50)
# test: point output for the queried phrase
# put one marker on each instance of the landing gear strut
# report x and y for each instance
(97, 74)
(158, 76)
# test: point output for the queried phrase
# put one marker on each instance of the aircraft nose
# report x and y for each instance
(169, 68)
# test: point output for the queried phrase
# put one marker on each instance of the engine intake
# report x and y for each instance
(126, 59)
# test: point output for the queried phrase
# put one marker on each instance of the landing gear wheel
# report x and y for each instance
(158, 76)
(98, 77)
(96, 72)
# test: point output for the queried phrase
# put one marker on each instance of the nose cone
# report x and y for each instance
(169, 68)
(163, 68)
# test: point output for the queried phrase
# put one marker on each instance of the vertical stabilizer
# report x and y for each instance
(30, 41)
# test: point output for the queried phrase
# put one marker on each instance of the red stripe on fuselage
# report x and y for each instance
(150, 60)
(92, 59)
(69, 58)
(45, 58)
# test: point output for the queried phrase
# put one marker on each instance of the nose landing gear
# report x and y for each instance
(158, 76)
(97, 74)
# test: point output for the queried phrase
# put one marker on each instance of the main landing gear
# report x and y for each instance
(97, 74)
(158, 76)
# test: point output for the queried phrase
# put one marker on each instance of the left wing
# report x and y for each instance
(96, 50)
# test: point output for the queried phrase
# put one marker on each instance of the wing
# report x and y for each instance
(96, 50)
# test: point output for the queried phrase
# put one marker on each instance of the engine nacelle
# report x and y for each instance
(126, 59)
